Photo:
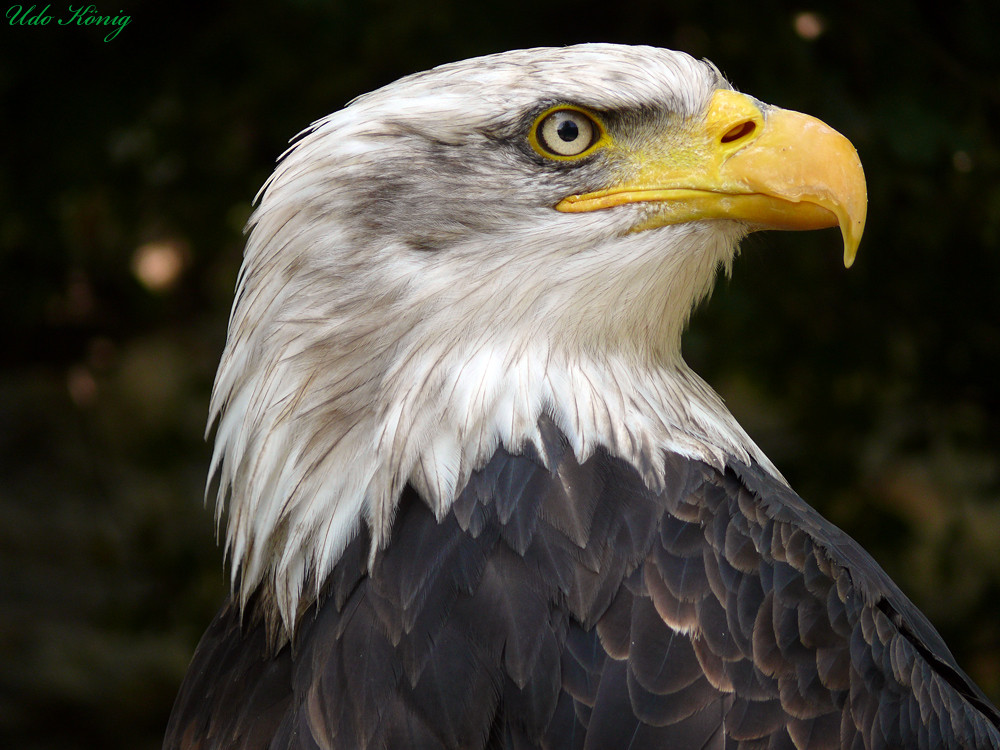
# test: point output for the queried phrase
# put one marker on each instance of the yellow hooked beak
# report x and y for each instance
(779, 170)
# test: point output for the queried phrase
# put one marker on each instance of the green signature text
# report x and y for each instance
(81, 15)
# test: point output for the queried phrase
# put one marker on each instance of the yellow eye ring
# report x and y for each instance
(566, 133)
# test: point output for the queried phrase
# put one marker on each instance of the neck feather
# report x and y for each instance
(352, 370)
(300, 487)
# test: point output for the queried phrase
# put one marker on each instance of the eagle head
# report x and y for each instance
(444, 261)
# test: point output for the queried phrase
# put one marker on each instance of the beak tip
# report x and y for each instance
(851, 228)
(850, 250)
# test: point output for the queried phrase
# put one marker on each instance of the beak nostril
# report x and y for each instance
(737, 132)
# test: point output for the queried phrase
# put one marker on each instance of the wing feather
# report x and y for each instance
(566, 605)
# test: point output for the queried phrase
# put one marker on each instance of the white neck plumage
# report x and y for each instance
(344, 381)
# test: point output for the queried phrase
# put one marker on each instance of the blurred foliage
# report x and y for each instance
(127, 176)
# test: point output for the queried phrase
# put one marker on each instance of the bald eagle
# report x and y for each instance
(473, 495)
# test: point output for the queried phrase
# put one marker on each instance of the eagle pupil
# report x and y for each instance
(568, 131)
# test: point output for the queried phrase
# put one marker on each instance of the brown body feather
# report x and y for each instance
(572, 607)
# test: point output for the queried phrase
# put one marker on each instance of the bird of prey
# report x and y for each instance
(473, 495)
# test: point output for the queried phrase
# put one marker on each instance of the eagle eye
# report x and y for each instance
(565, 133)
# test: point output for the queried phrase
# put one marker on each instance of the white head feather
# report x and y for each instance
(409, 300)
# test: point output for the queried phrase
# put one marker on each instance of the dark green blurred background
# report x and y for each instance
(127, 174)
